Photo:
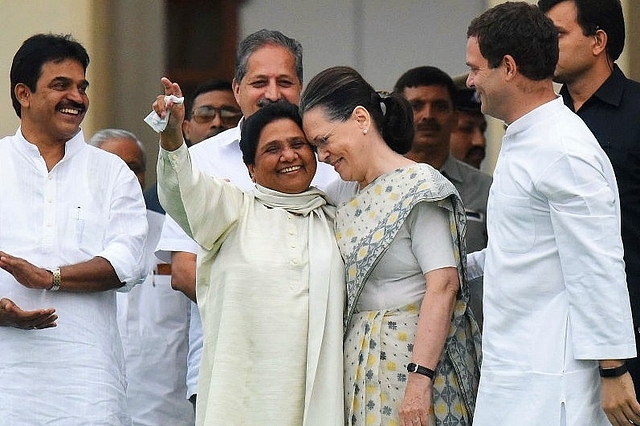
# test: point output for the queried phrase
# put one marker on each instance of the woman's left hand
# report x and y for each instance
(414, 409)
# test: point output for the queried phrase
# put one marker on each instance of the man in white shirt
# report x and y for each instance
(268, 69)
(152, 318)
(557, 319)
(72, 231)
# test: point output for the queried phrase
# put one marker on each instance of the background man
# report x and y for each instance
(431, 93)
(591, 40)
(73, 229)
(268, 69)
(213, 109)
(555, 301)
(468, 141)
(153, 319)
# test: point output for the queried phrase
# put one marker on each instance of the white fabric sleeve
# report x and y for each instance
(475, 264)
(126, 232)
(173, 239)
(586, 223)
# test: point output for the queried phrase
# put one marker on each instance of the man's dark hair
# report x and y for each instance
(522, 31)
(35, 52)
(427, 76)
(206, 87)
(254, 124)
(593, 15)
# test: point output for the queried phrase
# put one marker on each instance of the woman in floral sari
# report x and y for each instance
(412, 346)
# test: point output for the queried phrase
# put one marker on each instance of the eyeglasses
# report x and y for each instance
(207, 113)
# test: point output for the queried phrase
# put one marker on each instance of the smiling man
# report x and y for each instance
(73, 230)
(557, 319)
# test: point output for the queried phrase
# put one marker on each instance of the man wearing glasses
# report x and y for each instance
(214, 109)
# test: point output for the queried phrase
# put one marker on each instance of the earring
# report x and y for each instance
(365, 131)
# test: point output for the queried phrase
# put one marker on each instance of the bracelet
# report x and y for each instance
(416, 368)
(615, 371)
(57, 280)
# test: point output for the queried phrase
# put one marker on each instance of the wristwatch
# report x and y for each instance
(417, 368)
(57, 280)
(615, 371)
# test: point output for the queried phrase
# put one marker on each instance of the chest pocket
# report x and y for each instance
(88, 230)
(511, 221)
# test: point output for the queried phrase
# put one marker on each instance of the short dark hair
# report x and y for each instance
(254, 124)
(206, 87)
(426, 76)
(521, 30)
(262, 38)
(35, 52)
(598, 14)
(338, 90)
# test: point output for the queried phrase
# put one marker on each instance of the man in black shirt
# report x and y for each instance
(591, 40)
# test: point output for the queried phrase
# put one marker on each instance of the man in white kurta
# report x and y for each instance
(72, 231)
(89, 205)
(556, 307)
(555, 299)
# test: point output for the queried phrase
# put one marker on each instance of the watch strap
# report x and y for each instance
(57, 280)
(615, 371)
(420, 369)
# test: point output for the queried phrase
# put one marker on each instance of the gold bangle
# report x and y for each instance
(57, 280)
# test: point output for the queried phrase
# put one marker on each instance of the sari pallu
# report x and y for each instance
(366, 226)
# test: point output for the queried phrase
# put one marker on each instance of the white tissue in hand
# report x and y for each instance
(153, 119)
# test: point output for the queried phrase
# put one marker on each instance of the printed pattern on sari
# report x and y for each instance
(372, 332)
(366, 226)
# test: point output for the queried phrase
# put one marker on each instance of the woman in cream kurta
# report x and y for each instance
(270, 288)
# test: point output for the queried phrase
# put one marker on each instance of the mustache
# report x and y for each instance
(263, 102)
(70, 104)
(215, 132)
(428, 124)
(477, 149)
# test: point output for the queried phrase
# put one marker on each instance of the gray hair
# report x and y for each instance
(101, 136)
(262, 38)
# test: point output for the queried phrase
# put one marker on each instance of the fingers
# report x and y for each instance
(623, 417)
(11, 315)
(171, 88)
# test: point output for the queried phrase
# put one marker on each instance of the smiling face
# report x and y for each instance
(485, 80)
(284, 159)
(54, 111)
(271, 76)
(338, 143)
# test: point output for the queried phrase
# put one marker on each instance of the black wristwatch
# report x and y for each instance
(615, 371)
(416, 368)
